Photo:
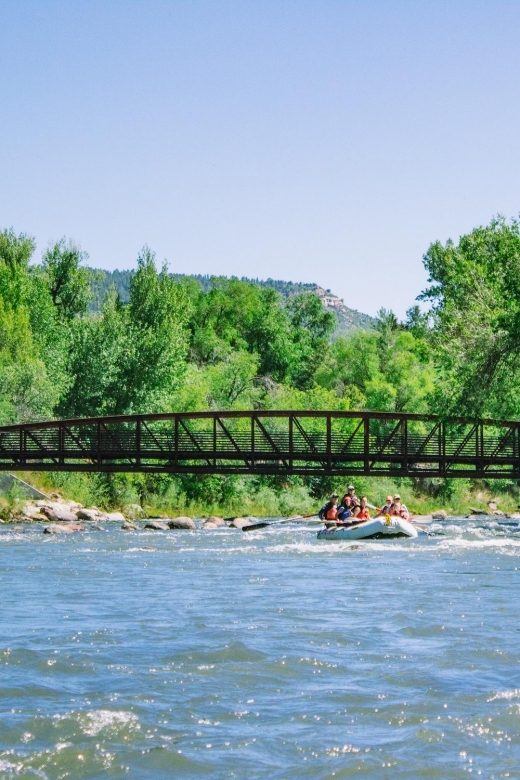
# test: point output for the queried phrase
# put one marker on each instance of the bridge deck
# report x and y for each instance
(277, 442)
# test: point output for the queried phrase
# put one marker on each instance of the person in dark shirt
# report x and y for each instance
(330, 510)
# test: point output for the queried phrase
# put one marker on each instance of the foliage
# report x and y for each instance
(132, 357)
(475, 297)
(74, 342)
(69, 285)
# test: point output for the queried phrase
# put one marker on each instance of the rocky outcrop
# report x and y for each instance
(156, 525)
(181, 523)
(63, 528)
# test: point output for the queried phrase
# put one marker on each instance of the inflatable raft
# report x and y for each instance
(378, 528)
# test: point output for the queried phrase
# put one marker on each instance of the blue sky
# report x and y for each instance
(310, 141)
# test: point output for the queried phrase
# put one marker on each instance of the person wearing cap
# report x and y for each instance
(330, 510)
(349, 500)
(399, 509)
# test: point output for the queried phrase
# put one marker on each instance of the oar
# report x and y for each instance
(276, 522)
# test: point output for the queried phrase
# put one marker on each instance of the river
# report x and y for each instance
(221, 654)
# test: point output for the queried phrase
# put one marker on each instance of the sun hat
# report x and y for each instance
(397, 496)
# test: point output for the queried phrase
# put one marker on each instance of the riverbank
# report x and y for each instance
(203, 496)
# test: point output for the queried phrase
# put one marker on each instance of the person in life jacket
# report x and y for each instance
(361, 511)
(398, 509)
(330, 510)
(387, 508)
(348, 503)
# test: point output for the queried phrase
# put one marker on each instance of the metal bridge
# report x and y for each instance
(268, 442)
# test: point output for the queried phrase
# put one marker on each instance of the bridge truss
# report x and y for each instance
(268, 442)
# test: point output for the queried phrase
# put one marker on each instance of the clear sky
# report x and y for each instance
(324, 140)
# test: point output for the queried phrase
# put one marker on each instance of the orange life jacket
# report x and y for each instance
(363, 514)
(331, 513)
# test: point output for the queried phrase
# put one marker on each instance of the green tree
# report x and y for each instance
(69, 284)
(131, 358)
(475, 297)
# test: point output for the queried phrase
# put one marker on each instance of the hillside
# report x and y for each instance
(346, 318)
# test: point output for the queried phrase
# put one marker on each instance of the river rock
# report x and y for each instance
(59, 513)
(62, 528)
(184, 523)
(241, 522)
(440, 514)
(31, 510)
(216, 520)
(135, 510)
(155, 525)
(129, 526)
(72, 505)
(475, 511)
(29, 513)
(91, 515)
(114, 517)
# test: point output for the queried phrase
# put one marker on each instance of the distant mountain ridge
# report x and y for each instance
(346, 317)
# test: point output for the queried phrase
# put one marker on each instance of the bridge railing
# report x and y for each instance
(276, 442)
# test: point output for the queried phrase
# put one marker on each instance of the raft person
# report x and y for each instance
(399, 509)
(330, 510)
(350, 498)
(387, 508)
(361, 512)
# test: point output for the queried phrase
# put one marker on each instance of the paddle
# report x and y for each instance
(276, 522)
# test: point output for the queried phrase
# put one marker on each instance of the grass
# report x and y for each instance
(249, 496)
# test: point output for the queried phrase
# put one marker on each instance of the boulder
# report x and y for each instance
(59, 513)
(28, 513)
(62, 528)
(134, 510)
(114, 517)
(218, 521)
(181, 523)
(475, 511)
(214, 522)
(91, 515)
(30, 510)
(498, 512)
(155, 525)
(440, 514)
(72, 505)
(241, 522)
(129, 526)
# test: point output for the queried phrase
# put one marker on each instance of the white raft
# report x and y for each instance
(378, 528)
